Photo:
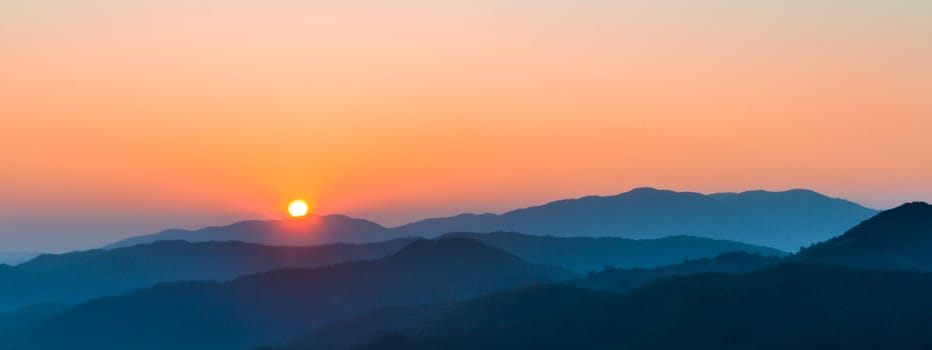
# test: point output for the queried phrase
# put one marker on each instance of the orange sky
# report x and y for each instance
(124, 117)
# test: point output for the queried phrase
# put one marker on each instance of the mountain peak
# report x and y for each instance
(652, 192)
(645, 190)
(794, 192)
(909, 209)
(784, 220)
(453, 249)
(311, 230)
(914, 218)
(898, 238)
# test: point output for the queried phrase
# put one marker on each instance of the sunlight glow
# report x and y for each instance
(298, 208)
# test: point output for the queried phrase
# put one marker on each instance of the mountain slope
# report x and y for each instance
(783, 220)
(800, 216)
(78, 276)
(514, 306)
(29, 314)
(623, 280)
(273, 306)
(13, 258)
(310, 230)
(584, 254)
(896, 239)
(794, 306)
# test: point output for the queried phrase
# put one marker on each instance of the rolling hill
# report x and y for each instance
(583, 254)
(310, 230)
(78, 276)
(344, 335)
(277, 305)
(896, 239)
(623, 280)
(783, 220)
(791, 306)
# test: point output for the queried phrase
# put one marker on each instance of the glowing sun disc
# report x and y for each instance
(297, 208)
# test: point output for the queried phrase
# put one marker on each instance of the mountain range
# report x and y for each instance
(863, 289)
(583, 254)
(307, 231)
(347, 334)
(817, 299)
(783, 220)
(622, 280)
(791, 306)
(273, 306)
(78, 276)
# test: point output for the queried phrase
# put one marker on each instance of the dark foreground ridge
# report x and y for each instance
(274, 306)
(896, 239)
(793, 306)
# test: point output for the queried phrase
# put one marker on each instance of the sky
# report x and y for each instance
(125, 117)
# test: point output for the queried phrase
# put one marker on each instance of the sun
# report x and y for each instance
(297, 208)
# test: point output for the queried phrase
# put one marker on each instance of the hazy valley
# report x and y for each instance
(465, 290)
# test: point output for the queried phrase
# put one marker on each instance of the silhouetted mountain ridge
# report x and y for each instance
(276, 305)
(584, 254)
(311, 230)
(896, 239)
(516, 305)
(455, 249)
(623, 280)
(777, 219)
(791, 306)
(13, 258)
(77, 276)
(784, 220)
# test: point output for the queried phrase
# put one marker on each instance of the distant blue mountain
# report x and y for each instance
(584, 254)
(623, 280)
(783, 220)
(78, 276)
(13, 258)
(277, 305)
(312, 230)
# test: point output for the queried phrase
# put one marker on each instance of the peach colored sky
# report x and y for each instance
(125, 117)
